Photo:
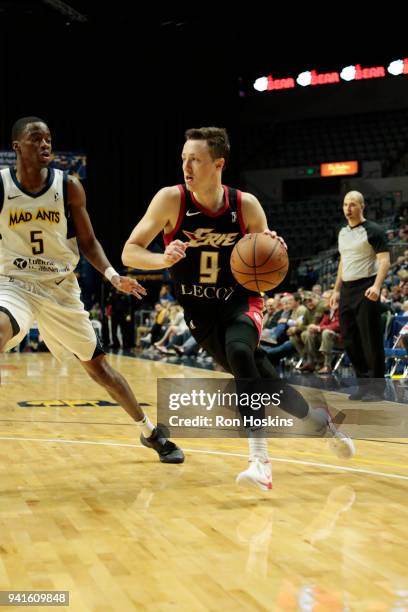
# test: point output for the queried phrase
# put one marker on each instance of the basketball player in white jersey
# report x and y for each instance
(43, 221)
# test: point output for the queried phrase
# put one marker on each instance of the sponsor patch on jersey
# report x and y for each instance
(205, 236)
(209, 292)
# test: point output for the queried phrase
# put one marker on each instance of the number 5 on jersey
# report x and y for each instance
(38, 243)
(209, 267)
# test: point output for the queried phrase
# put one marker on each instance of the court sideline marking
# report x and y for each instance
(210, 452)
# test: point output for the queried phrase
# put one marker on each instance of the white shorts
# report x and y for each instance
(63, 322)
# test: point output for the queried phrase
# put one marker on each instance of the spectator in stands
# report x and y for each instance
(330, 336)
(275, 334)
(322, 338)
(398, 269)
(404, 292)
(385, 296)
(182, 335)
(364, 264)
(403, 233)
(317, 290)
(165, 295)
(95, 312)
(313, 315)
(301, 294)
(189, 347)
(95, 315)
(122, 319)
(177, 327)
(401, 268)
(272, 313)
(404, 310)
(396, 298)
(392, 236)
(287, 348)
(160, 317)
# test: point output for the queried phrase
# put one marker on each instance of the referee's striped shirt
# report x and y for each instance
(358, 248)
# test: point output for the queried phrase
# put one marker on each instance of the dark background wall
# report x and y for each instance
(124, 92)
(124, 87)
(144, 94)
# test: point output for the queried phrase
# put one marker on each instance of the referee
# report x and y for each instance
(364, 263)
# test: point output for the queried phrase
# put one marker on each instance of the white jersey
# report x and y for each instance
(37, 241)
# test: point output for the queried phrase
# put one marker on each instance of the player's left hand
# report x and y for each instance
(273, 234)
(372, 293)
(128, 285)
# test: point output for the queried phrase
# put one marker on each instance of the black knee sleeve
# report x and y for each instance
(241, 360)
(241, 340)
(265, 368)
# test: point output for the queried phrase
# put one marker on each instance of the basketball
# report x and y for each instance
(259, 262)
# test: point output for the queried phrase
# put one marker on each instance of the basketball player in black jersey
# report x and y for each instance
(43, 220)
(202, 220)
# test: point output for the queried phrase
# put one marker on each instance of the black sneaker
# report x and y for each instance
(367, 396)
(372, 397)
(167, 450)
(356, 395)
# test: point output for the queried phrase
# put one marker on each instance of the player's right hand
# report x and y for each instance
(174, 252)
(273, 234)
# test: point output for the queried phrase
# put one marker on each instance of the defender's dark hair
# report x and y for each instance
(20, 125)
(217, 139)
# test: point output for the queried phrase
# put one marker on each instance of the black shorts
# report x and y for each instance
(208, 326)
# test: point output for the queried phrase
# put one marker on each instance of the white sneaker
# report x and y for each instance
(341, 444)
(258, 474)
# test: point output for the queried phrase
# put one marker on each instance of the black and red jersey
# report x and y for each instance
(204, 278)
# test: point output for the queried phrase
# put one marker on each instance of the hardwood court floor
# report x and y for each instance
(85, 508)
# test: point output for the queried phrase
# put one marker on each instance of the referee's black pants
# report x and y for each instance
(360, 324)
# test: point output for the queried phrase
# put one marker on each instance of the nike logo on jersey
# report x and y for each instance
(190, 213)
(14, 197)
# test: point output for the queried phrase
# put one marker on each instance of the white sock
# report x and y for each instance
(146, 426)
(258, 446)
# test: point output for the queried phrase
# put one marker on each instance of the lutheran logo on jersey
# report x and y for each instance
(206, 237)
(40, 265)
(20, 263)
(25, 216)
